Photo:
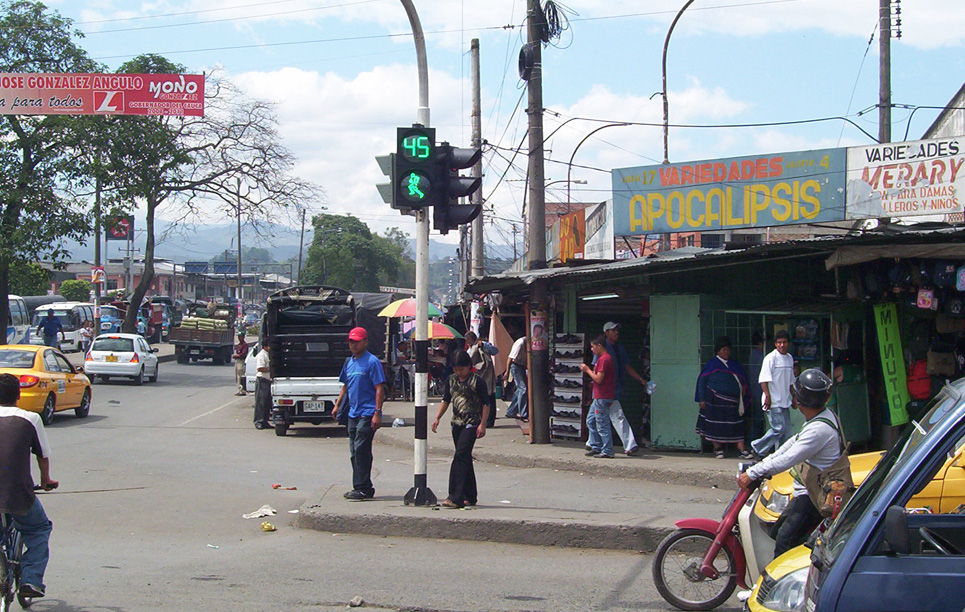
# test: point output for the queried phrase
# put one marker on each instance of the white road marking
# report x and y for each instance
(212, 411)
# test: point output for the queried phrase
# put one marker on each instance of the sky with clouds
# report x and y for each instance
(343, 76)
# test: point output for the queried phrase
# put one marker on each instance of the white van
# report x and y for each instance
(72, 317)
(18, 323)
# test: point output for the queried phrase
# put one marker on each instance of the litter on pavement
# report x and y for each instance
(265, 510)
(278, 486)
(266, 526)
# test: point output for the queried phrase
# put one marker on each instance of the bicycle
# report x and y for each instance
(11, 549)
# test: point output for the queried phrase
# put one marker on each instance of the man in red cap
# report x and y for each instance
(362, 378)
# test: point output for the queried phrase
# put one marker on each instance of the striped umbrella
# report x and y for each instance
(406, 308)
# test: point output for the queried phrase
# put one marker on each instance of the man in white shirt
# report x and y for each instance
(819, 443)
(263, 389)
(777, 375)
(519, 407)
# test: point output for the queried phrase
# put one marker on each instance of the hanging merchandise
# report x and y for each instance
(945, 324)
(926, 297)
(919, 382)
(944, 273)
(954, 307)
(960, 279)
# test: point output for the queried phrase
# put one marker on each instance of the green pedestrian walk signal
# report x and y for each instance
(413, 167)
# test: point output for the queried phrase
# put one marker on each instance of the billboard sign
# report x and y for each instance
(572, 235)
(598, 224)
(901, 179)
(102, 94)
(732, 193)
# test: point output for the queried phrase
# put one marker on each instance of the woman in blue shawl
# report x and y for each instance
(722, 392)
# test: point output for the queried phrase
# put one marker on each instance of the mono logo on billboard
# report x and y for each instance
(168, 87)
(108, 101)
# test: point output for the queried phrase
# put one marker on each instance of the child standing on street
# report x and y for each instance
(468, 394)
(603, 375)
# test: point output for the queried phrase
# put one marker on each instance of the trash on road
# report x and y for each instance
(266, 526)
(505, 501)
(356, 602)
(265, 510)
(213, 546)
(293, 512)
(397, 422)
(278, 486)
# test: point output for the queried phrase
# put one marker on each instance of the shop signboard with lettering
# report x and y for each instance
(102, 94)
(914, 178)
(732, 193)
(598, 228)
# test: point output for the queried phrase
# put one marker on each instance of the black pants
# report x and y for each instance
(360, 434)
(795, 524)
(263, 401)
(462, 477)
(491, 421)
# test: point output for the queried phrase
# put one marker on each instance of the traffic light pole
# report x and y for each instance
(420, 494)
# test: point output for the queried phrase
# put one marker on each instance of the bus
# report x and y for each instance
(18, 322)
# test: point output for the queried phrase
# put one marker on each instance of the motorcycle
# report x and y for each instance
(700, 564)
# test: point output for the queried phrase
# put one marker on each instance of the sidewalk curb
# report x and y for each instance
(635, 467)
(450, 527)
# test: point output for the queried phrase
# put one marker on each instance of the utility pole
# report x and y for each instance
(241, 292)
(884, 71)
(538, 359)
(478, 267)
(97, 252)
(301, 245)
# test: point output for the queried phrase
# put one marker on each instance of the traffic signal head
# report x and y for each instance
(448, 213)
(414, 166)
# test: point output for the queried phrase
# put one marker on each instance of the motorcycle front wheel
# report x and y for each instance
(676, 571)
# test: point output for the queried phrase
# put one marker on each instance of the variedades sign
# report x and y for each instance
(102, 94)
(732, 193)
(920, 177)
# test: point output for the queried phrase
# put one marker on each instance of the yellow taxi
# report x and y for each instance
(781, 585)
(48, 382)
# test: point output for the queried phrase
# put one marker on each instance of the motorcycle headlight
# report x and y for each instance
(777, 502)
(788, 592)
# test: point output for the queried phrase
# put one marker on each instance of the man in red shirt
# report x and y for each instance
(604, 379)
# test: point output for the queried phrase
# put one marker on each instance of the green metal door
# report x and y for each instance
(674, 367)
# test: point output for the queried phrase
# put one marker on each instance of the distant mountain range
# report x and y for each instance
(203, 242)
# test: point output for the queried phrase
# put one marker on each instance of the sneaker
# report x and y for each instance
(633, 451)
(602, 456)
(590, 452)
(718, 454)
(29, 590)
(357, 495)
(746, 455)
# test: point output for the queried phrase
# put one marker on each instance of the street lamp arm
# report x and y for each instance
(666, 108)
(569, 165)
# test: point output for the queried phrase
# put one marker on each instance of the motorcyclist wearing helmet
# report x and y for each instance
(817, 444)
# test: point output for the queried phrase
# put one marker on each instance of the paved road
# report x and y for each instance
(154, 483)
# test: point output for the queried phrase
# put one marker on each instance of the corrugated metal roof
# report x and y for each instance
(692, 257)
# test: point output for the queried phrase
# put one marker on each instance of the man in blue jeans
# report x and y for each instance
(22, 433)
(603, 375)
(49, 328)
(362, 378)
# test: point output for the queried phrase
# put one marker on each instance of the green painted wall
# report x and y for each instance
(674, 367)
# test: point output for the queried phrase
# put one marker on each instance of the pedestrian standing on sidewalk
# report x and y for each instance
(241, 352)
(723, 396)
(482, 363)
(516, 367)
(603, 375)
(363, 389)
(621, 364)
(777, 376)
(469, 395)
(263, 389)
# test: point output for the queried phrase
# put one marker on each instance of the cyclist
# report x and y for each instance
(22, 433)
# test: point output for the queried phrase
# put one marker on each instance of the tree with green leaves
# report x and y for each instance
(345, 253)
(28, 278)
(36, 216)
(230, 160)
(77, 290)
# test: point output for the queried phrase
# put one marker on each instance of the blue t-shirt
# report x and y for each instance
(51, 326)
(360, 375)
(620, 361)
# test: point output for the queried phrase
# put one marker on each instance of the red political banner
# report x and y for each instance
(102, 94)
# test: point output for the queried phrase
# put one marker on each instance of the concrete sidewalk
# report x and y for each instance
(547, 495)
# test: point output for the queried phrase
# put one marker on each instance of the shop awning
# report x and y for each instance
(851, 255)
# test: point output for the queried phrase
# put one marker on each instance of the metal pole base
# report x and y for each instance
(420, 496)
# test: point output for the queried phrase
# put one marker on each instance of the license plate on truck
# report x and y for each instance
(313, 406)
